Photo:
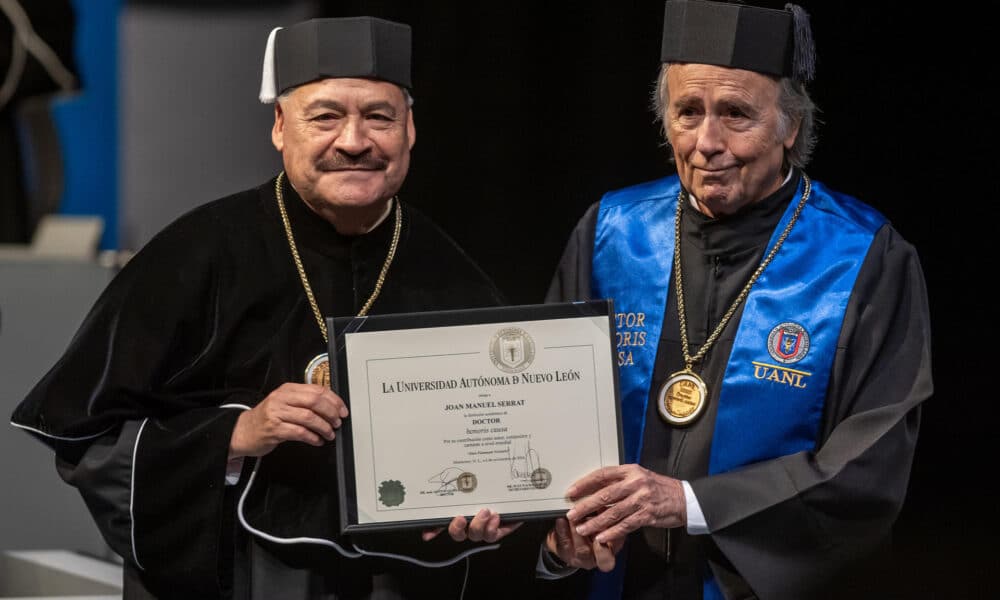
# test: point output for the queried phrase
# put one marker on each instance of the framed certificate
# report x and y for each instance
(454, 411)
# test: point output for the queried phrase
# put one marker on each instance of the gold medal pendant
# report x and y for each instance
(684, 395)
(682, 398)
(318, 370)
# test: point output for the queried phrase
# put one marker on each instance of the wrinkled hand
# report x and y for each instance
(484, 527)
(578, 551)
(294, 412)
(619, 500)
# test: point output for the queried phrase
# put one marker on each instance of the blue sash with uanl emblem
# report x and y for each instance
(774, 388)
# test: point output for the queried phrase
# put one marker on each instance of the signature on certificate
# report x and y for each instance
(523, 460)
(526, 468)
(453, 480)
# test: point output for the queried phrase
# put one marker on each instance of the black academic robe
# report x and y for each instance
(210, 313)
(769, 539)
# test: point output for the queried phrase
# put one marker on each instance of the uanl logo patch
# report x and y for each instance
(788, 343)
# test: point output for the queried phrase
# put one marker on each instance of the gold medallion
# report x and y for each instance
(682, 398)
(318, 371)
(684, 395)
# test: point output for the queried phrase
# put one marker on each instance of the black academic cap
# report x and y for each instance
(365, 47)
(774, 42)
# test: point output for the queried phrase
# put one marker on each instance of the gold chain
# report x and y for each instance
(302, 271)
(681, 199)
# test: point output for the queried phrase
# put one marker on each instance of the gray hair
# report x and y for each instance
(794, 104)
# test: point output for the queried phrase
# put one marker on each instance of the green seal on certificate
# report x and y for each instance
(541, 478)
(391, 493)
(466, 482)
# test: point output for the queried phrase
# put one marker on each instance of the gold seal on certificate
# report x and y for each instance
(318, 370)
(541, 478)
(466, 482)
(682, 398)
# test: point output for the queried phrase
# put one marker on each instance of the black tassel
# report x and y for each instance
(804, 57)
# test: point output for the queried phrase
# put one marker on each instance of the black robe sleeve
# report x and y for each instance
(792, 524)
(120, 412)
(572, 278)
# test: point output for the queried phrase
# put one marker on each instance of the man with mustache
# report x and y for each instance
(774, 348)
(203, 365)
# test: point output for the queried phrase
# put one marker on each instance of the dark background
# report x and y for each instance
(525, 117)
(528, 111)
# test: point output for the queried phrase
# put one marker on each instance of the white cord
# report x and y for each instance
(36, 46)
(465, 580)
(59, 437)
(428, 564)
(358, 552)
(131, 495)
(18, 58)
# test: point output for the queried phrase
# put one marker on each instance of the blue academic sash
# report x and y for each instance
(774, 387)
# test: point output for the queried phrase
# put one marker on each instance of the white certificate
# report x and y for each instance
(505, 415)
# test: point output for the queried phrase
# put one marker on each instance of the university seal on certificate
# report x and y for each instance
(391, 493)
(512, 349)
(466, 482)
(541, 478)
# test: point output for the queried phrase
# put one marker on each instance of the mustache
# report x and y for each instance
(341, 161)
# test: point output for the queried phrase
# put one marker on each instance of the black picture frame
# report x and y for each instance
(339, 378)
